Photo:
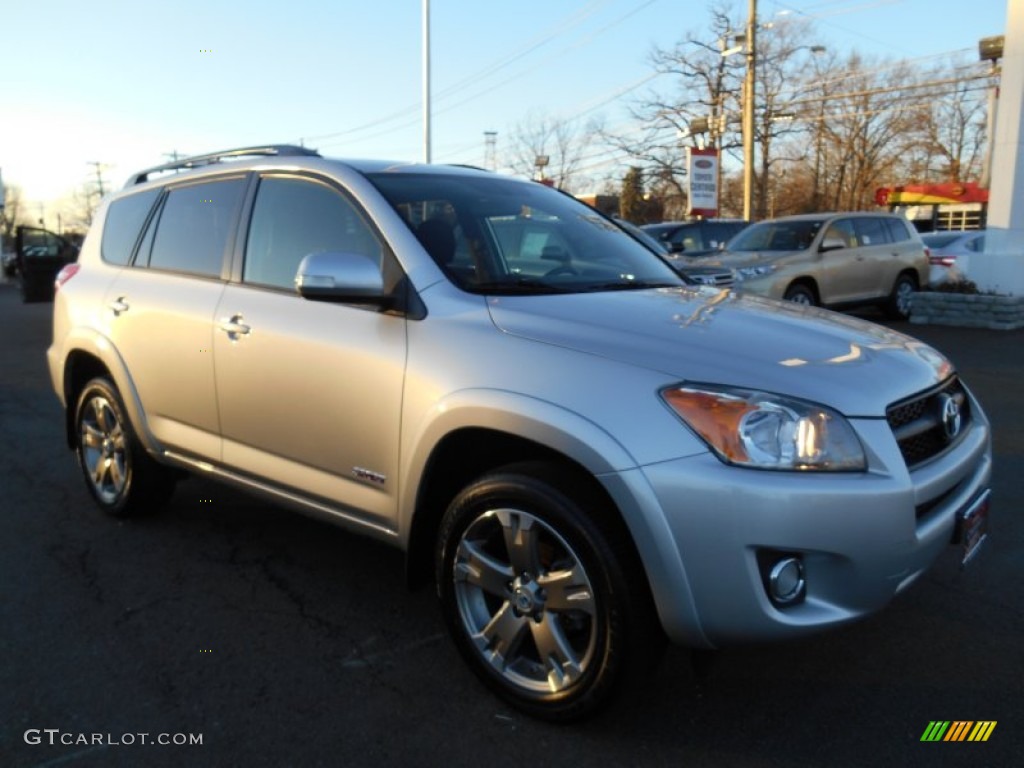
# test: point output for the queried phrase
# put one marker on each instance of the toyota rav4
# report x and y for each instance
(584, 452)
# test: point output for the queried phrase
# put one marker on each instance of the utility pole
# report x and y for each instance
(99, 176)
(748, 112)
(426, 81)
(491, 150)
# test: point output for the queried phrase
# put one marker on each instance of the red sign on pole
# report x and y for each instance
(702, 181)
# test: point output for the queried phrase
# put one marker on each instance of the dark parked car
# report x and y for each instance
(695, 238)
(40, 256)
(719, 277)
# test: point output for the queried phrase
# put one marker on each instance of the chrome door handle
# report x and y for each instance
(234, 327)
(119, 305)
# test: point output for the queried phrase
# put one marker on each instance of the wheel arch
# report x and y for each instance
(90, 355)
(588, 459)
(808, 282)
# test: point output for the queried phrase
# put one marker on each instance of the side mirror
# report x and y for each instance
(675, 247)
(349, 278)
(831, 244)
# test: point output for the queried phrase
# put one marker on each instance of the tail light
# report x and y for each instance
(942, 261)
(66, 273)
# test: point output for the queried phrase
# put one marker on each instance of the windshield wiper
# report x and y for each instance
(517, 286)
(634, 285)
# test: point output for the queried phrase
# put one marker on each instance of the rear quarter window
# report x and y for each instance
(899, 230)
(125, 218)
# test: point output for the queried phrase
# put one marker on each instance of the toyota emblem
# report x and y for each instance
(950, 411)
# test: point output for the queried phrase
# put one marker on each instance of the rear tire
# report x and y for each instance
(897, 307)
(538, 600)
(120, 476)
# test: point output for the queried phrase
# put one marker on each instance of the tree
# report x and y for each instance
(562, 142)
(705, 107)
(953, 125)
(631, 199)
(706, 88)
(13, 214)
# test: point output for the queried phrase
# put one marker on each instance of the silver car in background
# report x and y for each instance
(584, 454)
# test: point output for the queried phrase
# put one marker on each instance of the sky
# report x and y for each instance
(125, 84)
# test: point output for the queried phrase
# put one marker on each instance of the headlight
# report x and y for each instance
(758, 429)
(749, 273)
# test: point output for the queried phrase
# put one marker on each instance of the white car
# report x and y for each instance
(946, 248)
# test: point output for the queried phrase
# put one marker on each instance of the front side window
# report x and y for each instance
(295, 217)
(194, 227)
(777, 236)
(843, 230)
(500, 236)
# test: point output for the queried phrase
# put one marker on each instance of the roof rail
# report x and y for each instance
(268, 150)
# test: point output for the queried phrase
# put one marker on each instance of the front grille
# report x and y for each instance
(706, 276)
(923, 424)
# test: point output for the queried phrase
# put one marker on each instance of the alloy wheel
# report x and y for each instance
(525, 601)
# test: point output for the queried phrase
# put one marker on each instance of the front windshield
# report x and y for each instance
(777, 236)
(493, 234)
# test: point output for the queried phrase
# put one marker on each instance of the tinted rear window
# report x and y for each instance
(125, 218)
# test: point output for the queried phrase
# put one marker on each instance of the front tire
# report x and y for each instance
(798, 293)
(536, 597)
(120, 476)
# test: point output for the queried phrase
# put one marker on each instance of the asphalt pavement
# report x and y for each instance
(281, 641)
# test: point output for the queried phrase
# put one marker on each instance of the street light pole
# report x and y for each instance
(426, 81)
(748, 112)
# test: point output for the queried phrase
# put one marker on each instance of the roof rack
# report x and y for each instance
(269, 150)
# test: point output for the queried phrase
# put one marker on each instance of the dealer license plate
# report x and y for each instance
(972, 528)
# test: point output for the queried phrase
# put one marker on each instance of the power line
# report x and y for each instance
(496, 66)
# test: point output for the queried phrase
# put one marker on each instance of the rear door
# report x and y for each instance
(161, 309)
(878, 256)
(40, 256)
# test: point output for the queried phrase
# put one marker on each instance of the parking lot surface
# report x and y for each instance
(282, 641)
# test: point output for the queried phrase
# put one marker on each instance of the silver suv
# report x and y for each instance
(586, 454)
(831, 259)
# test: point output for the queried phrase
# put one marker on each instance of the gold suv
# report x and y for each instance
(831, 259)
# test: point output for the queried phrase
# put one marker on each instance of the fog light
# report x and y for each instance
(786, 580)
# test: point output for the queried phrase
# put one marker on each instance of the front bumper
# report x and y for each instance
(861, 537)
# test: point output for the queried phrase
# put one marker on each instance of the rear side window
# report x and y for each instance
(871, 230)
(194, 226)
(125, 218)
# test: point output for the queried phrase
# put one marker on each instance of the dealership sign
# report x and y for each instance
(702, 181)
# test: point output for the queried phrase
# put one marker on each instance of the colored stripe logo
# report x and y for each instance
(959, 730)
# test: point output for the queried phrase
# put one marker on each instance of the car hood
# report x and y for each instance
(717, 337)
